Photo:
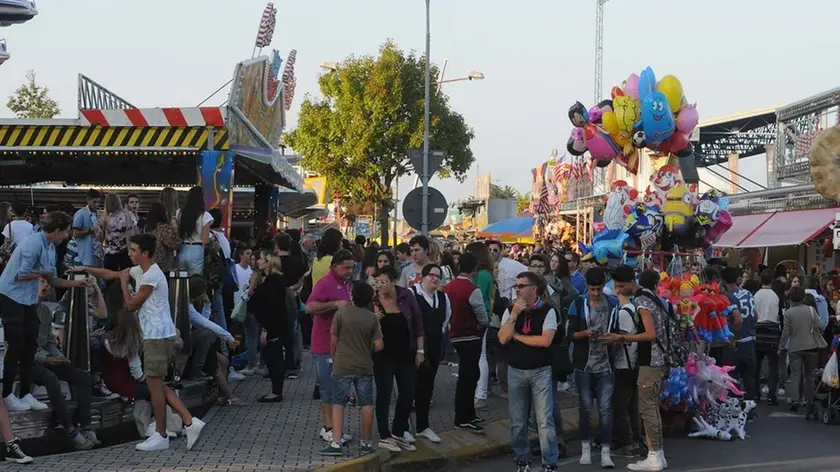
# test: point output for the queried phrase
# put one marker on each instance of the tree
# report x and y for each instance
(358, 135)
(503, 193)
(31, 100)
(522, 202)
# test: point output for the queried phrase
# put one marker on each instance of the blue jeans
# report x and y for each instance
(191, 259)
(527, 387)
(323, 363)
(252, 339)
(217, 314)
(343, 385)
(590, 386)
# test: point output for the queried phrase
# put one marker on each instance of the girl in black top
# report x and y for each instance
(268, 304)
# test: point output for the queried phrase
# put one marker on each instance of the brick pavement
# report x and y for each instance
(256, 437)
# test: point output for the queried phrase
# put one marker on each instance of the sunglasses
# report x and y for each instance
(522, 286)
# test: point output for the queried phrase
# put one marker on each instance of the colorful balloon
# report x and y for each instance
(576, 144)
(677, 142)
(647, 84)
(628, 111)
(600, 145)
(687, 118)
(610, 124)
(595, 115)
(631, 86)
(672, 88)
(678, 210)
(657, 120)
(722, 225)
(644, 223)
(578, 115)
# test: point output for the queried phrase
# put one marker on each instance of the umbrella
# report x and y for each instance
(513, 228)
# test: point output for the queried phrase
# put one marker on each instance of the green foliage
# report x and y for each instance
(358, 135)
(503, 193)
(32, 101)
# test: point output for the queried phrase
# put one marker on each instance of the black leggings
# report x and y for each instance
(275, 361)
(425, 385)
(469, 353)
(385, 371)
(20, 329)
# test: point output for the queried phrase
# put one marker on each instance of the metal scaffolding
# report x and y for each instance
(93, 96)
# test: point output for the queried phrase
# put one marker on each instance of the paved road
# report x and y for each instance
(777, 442)
(254, 437)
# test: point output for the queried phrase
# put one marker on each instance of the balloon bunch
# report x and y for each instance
(642, 112)
(609, 244)
(676, 389)
(712, 383)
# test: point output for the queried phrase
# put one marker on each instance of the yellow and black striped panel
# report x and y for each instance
(31, 136)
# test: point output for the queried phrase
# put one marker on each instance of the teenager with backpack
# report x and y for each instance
(657, 348)
(590, 317)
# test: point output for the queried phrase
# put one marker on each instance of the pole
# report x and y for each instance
(425, 222)
(396, 204)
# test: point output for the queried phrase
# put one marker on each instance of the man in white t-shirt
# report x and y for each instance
(768, 317)
(243, 272)
(19, 228)
(412, 273)
(151, 301)
(508, 269)
(627, 424)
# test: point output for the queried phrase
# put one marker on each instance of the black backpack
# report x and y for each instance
(675, 351)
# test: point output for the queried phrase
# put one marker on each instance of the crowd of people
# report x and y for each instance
(372, 319)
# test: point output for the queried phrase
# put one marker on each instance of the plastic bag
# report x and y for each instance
(829, 376)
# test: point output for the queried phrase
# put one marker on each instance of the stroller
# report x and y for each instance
(826, 400)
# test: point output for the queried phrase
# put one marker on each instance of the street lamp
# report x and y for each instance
(330, 66)
(473, 75)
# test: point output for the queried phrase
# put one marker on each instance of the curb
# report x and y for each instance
(456, 448)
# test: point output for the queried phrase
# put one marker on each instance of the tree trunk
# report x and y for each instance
(384, 219)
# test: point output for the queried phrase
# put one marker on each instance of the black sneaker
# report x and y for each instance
(523, 466)
(101, 391)
(15, 454)
(478, 420)
(471, 427)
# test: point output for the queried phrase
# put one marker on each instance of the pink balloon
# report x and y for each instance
(599, 143)
(594, 114)
(631, 86)
(688, 118)
(721, 226)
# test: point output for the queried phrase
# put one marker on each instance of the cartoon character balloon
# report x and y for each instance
(657, 119)
(678, 210)
(666, 178)
(644, 223)
(620, 200)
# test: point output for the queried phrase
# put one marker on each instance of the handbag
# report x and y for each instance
(240, 310)
(815, 329)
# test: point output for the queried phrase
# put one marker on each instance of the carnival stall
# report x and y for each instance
(561, 217)
(513, 230)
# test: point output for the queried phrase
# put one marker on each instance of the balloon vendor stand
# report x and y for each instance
(701, 393)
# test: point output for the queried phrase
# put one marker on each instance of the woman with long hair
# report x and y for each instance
(167, 240)
(330, 244)
(117, 226)
(383, 258)
(485, 280)
(194, 230)
(169, 199)
(269, 306)
(123, 341)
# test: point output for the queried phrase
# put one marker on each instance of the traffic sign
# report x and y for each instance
(363, 225)
(415, 156)
(413, 208)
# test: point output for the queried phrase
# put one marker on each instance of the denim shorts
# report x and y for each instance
(323, 363)
(191, 259)
(341, 389)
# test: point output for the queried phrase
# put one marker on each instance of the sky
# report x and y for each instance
(537, 57)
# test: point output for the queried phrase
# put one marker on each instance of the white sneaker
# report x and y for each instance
(155, 442)
(765, 389)
(781, 392)
(389, 444)
(193, 431)
(562, 386)
(606, 460)
(33, 403)
(651, 463)
(152, 430)
(408, 437)
(327, 436)
(262, 371)
(234, 376)
(430, 435)
(14, 403)
(585, 454)
(248, 370)
(662, 459)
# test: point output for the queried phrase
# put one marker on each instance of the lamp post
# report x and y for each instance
(473, 75)
(425, 176)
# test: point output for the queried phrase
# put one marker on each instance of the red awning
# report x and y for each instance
(790, 228)
(742, 227)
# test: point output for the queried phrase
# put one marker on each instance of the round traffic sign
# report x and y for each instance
(413, 208)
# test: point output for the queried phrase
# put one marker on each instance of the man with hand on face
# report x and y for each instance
(528, 330)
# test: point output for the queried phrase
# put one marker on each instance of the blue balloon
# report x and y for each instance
(647, 83)
(657, 120)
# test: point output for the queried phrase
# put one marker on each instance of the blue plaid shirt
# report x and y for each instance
(34, 255)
